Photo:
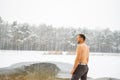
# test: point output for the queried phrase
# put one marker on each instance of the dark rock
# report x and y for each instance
(36, 71)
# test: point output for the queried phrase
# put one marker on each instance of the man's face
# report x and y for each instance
(79, 39)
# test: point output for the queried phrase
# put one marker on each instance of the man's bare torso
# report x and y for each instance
(83, 53)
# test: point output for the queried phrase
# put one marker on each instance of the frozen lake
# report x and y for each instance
(99, 66)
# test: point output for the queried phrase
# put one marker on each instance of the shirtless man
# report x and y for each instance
(80, 68)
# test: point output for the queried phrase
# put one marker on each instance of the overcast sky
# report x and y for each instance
(77, 13)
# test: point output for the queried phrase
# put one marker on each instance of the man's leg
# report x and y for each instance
(80, 70)
(75, 77)
(84, 76)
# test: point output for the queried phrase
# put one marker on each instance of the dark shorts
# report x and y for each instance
(80, 72)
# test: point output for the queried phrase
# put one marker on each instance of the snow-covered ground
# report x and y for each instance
(99, 65)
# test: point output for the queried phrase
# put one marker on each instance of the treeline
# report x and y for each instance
(22, 36)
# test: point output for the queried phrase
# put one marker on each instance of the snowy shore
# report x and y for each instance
(100, 65)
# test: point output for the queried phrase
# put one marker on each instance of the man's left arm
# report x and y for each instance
(78, 55)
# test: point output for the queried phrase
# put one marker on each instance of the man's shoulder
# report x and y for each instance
(79, 45)
(82, 45)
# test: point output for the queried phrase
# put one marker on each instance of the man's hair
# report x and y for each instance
(82, 36)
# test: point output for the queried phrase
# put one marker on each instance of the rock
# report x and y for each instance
(36, 71)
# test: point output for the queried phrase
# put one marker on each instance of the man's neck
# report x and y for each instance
(82, 42)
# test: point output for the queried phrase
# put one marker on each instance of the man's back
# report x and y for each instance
(84, 54)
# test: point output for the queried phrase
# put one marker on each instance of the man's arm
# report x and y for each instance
(78, 55)
(88, 56)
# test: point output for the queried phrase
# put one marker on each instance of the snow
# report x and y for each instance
(21, 41)
(99, 65)
(20, 32)
(9, 35)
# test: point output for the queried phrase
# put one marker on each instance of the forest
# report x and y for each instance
(43, 37)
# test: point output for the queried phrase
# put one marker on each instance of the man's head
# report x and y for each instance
(80, 38)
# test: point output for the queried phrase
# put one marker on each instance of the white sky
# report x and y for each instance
(78, 13)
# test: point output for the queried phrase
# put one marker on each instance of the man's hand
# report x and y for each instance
(72, 71)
